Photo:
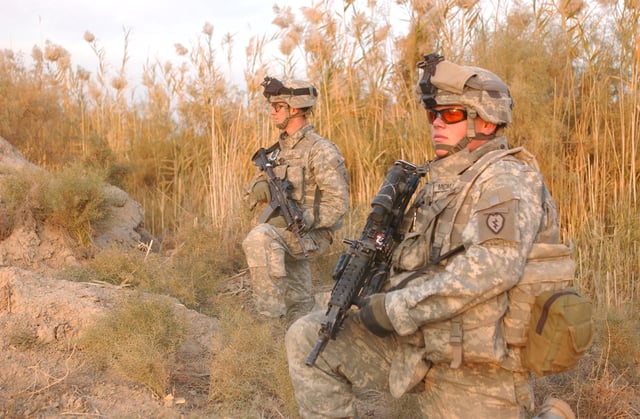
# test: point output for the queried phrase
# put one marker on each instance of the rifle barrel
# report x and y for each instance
(320, 344)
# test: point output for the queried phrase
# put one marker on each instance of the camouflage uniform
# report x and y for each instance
(280, 273)
(445, 336)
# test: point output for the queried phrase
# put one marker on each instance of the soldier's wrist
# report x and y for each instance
(374, 316)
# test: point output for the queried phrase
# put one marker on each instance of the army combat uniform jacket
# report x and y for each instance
(317, 171)
(279, 267)
(493, 206)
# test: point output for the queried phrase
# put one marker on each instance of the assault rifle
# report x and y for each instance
(281, 199)
(364, 268)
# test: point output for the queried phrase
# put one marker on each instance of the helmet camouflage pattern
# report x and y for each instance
(295, 93)
(446, 83)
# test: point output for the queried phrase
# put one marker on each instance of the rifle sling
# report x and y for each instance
(422, 270)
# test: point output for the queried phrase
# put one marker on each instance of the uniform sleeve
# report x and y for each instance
(332, 181)
(505, 217)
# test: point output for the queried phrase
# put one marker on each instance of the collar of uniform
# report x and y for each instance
(498, 143)
(290, 141)
(457, 163)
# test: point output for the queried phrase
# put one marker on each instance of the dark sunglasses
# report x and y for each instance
(448, 115)
(277, 106)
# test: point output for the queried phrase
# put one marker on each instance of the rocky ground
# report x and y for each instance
(43, 374)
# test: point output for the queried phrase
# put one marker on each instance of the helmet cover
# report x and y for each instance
(446, 83)
(295, 93)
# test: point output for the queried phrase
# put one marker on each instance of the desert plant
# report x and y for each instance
(137, 341)
(20, 199)
(75, 200)
(250, 383)
(201, 259)
(120, 267)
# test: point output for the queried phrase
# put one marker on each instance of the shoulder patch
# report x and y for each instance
(497, 219)
(495, 222)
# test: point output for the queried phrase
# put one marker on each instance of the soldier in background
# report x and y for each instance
(280, 270)
(439, 332)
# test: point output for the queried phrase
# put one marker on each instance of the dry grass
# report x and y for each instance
(573, 68)
(192, 271)
(137, 341)
(249, 375)
(75, 201)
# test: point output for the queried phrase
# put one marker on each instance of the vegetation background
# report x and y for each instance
(181, 145)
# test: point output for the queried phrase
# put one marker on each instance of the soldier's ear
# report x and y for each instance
(485, 127)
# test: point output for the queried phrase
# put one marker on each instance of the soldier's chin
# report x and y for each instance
(441, 152)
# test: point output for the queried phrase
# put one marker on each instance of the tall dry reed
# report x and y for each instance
(182, 143)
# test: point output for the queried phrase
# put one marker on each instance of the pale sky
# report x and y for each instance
(155, 27)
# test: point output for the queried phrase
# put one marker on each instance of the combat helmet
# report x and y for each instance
(479, 90)
(295, 93)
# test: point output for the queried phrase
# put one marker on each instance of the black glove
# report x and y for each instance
(374, 316)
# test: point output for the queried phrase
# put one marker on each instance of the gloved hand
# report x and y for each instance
(307, 217)
(261, 191)
(278, 221)
(374, 316)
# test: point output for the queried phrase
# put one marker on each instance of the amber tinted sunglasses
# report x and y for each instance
(448, 115)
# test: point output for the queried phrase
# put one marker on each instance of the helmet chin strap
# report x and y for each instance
(285, 122)
(471, 123)
(452, 149)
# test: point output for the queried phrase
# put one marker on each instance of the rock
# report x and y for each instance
(30, 243)
(11, 159)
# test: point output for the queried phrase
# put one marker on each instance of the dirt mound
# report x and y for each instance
(29, 243)
(42, 374)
